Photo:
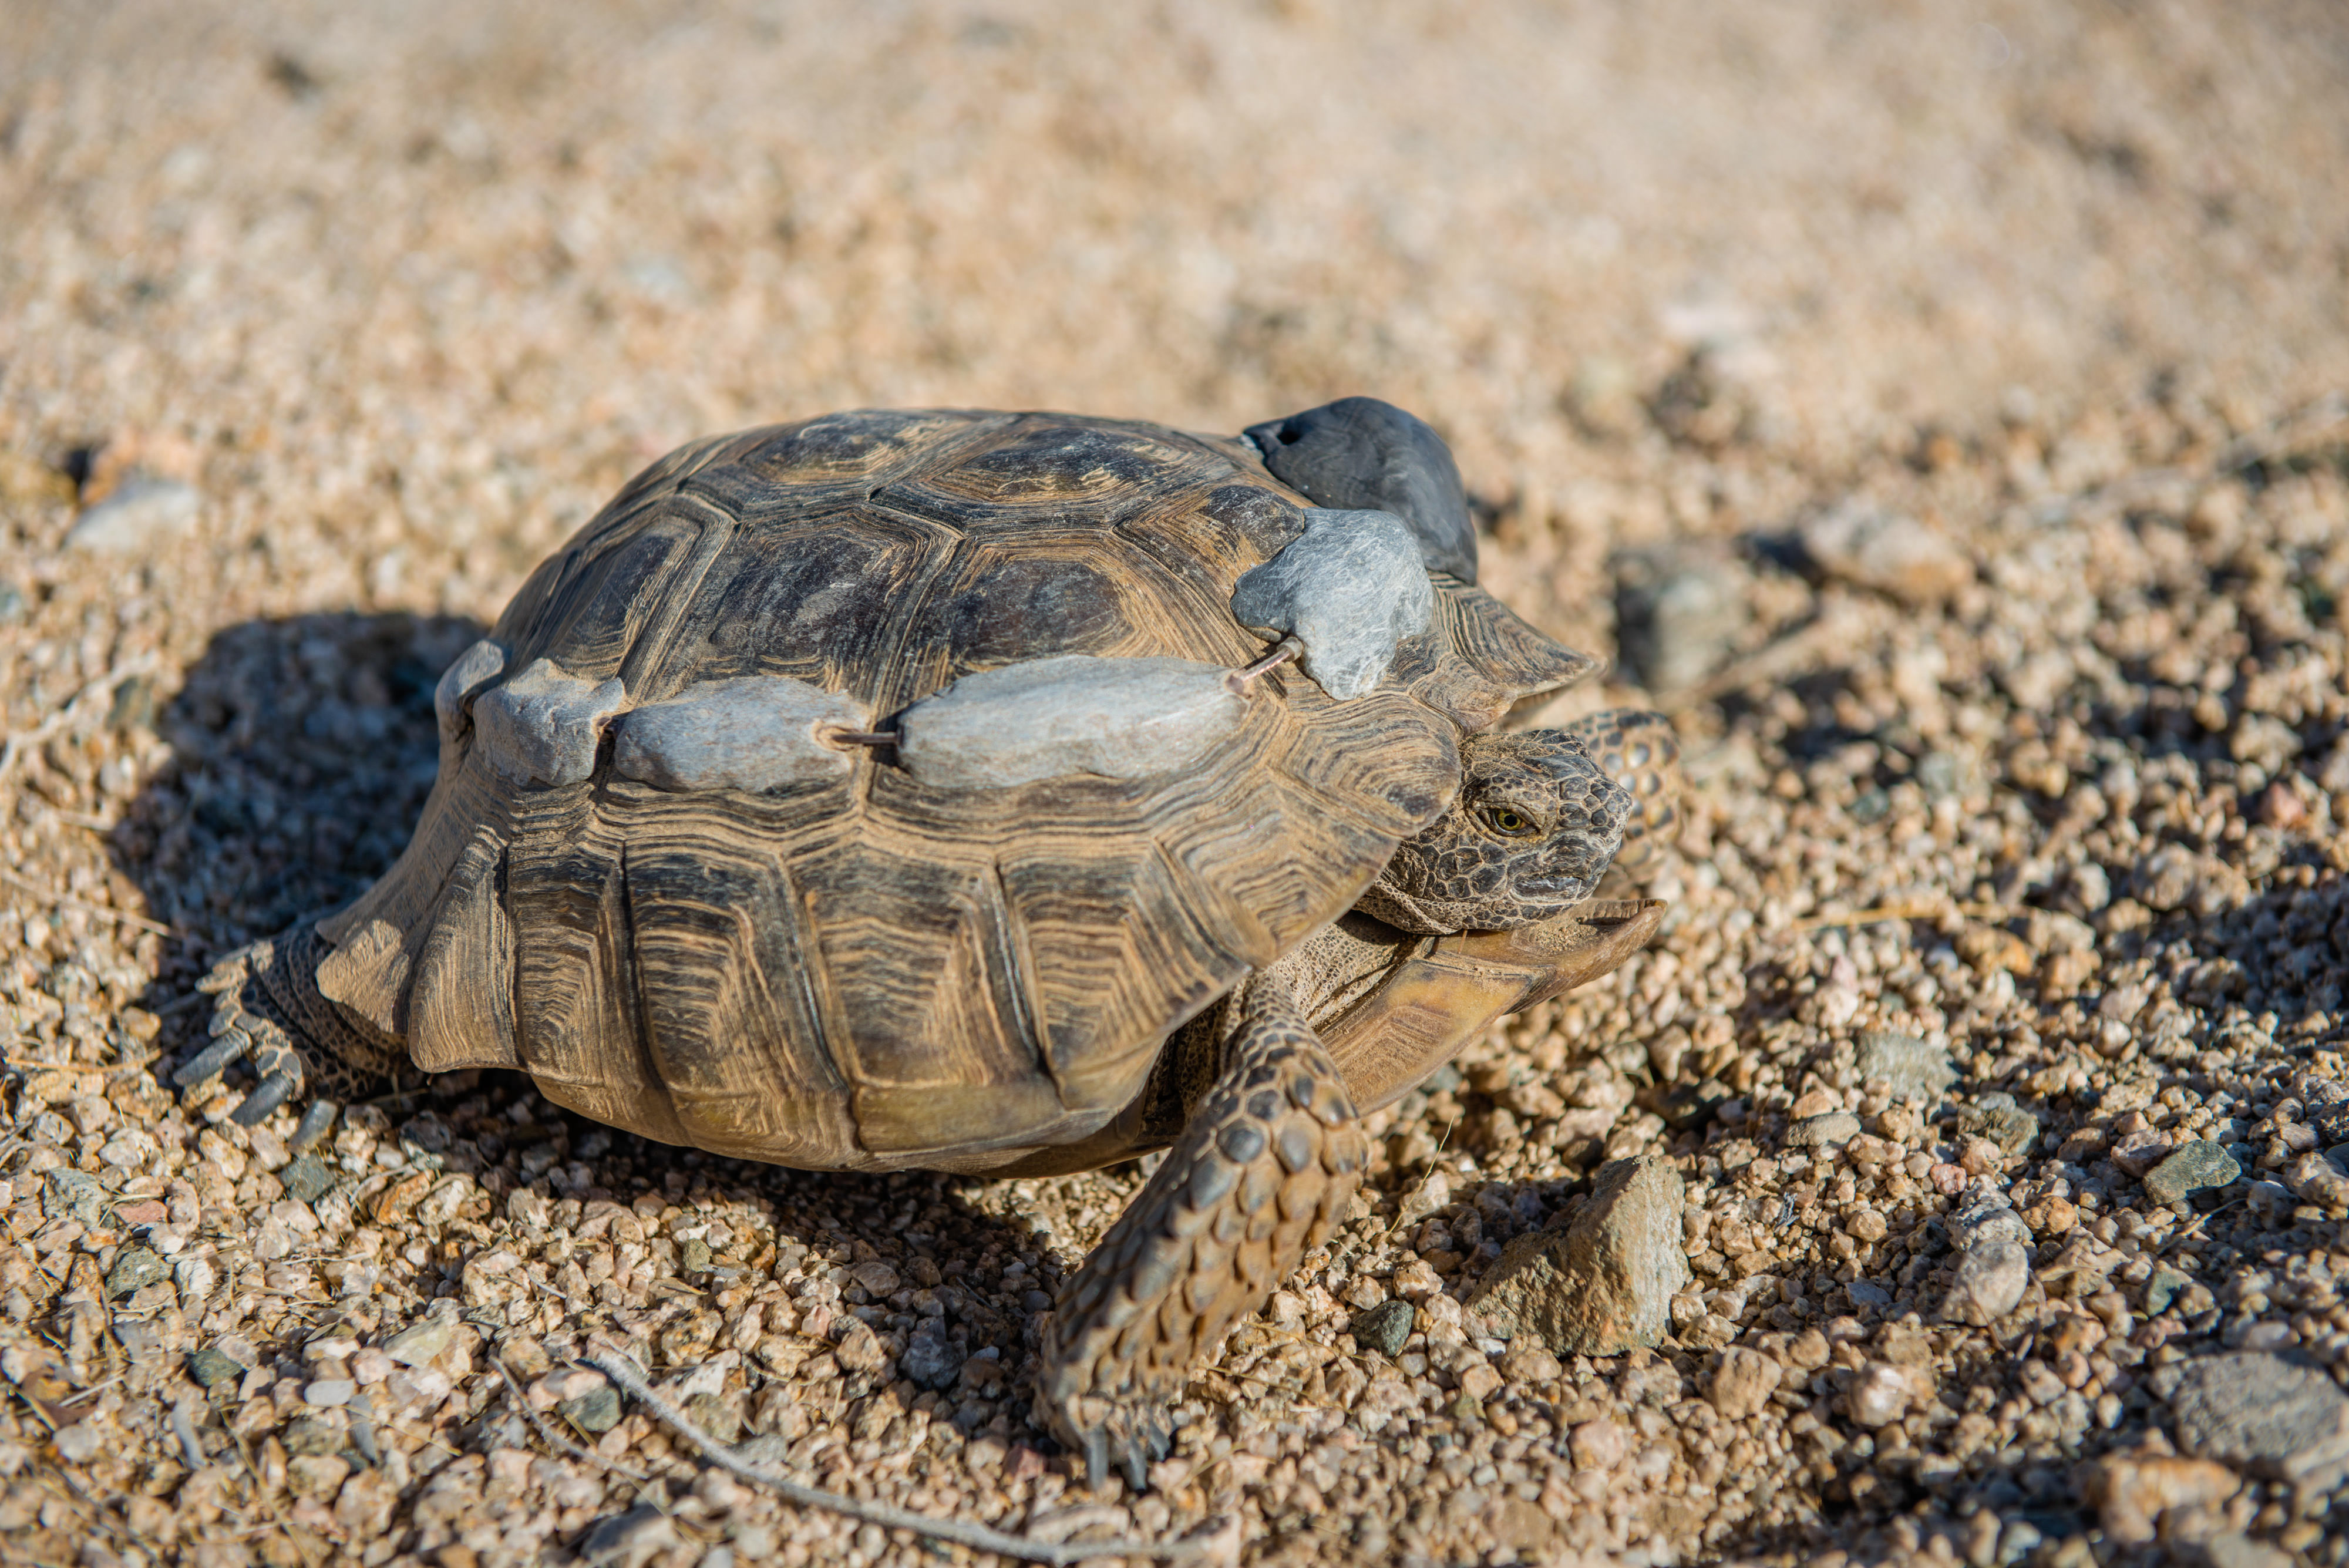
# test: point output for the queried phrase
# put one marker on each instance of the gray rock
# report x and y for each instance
(1887, 551)
(1993, 1258)
(1919, 1071)
(930, 1359)
(140, 515)
(1114, 718)
(308, 1436)
(1598, 1282)
(212, 1368)
(1385, 1327)
(2195, 1166)
(2161, 1288)
(2256, 1411)
(1350, 588)
(628, 1540)
(75, 1195)
(754, 732)
(1678, 615)
(2010, 1126)
(134, 1267)
(1864, 1294)
(305, 1178)
(1824, 1131)
(1361, 452)
(597, 1410)
(545, 725)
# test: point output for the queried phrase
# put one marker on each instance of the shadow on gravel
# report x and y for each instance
(303, 753)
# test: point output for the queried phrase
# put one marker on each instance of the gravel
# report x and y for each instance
(1996, 388)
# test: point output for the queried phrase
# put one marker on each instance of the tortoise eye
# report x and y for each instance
(1515, 824)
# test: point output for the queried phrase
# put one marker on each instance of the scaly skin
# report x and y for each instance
(1262, 1173)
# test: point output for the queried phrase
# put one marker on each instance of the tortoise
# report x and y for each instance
(998, 793)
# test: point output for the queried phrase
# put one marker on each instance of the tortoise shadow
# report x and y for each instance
(302, 753)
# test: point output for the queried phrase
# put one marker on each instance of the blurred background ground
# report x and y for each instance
(1930, 404)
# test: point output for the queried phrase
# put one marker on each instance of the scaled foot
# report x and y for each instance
(266, 1007)
(1263, 1171)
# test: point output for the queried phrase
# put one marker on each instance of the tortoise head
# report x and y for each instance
(1531, 831)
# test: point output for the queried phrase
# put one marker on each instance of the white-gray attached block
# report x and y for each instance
(543, 725)
(1116, 718)
(472, 670)
(1349, 588)
(752, 732)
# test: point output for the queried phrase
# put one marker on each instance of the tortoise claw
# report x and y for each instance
(208, 1062)
(315, 1123)
(272, 1092)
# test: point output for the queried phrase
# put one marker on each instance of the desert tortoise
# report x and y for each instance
(916, 789)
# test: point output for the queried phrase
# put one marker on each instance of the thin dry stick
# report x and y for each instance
(1905, 910)
(89, 906)
(555, 1439)
(975, 1536)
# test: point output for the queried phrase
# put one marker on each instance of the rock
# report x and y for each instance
(1743, 1382)
(2196, 1166)
(80, 1444)
(1600, 1281)
(1879, 1396)
(596, 1410)
(134, 1267)
(1887, 551)
(694, 1256)
(2263, 1414)
(930, 1361)
(1599, 1445)
(1824, 1131)
(1918, 1071)
(629, 1540)
(2176, 877)
(2233, 1549)
(419, 1343)
(75, 1195)
(306, 1179)
(2141, 1150)
(2316, 1180)
(1994, 1258)
(877, 1278)
(2131, 1491)
(329, 1393)
(860, 1349)
(2161, 1288)
(1677, 615)
(2010, 1126)
(212, 1368)
(140, 515)
(307, 1436)
(1385, 1327)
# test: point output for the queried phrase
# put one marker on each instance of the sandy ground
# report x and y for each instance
(1966, 369)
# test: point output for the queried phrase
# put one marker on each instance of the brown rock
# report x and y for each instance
(1743, 1382)
(1598, 1282)
(2133, 1490)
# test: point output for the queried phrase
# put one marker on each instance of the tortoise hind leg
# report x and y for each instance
(1263, 1171)
(266, 1006)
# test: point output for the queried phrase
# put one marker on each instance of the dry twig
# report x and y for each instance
(979, 1537)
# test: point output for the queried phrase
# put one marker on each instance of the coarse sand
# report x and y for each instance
(1936, 409)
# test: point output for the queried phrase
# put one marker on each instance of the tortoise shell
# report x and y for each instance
(861, 970)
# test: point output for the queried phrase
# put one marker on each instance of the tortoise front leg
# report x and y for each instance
(1263, 1171)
